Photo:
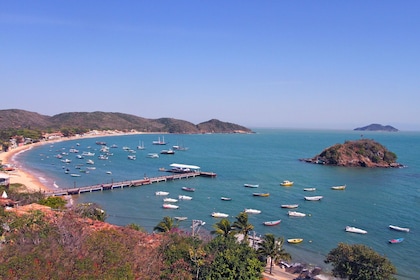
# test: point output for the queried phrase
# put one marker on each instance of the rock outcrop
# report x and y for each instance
(358, 153)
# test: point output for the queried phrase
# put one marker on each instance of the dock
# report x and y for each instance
(128, 183)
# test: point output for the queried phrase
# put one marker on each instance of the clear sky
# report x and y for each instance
(286, 64)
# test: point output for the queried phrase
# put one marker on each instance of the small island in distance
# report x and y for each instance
(377, 127)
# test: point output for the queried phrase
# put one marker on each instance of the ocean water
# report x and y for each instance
(373, 199)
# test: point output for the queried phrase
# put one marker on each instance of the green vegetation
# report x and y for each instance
(272, 247)
(166, 225)
(91, 210)
(55, 202)
(358, 262)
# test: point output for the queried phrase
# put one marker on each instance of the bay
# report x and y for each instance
(373, 199)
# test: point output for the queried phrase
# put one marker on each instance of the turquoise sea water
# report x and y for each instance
(373, 199)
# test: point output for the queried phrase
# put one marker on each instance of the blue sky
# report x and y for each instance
(286, 64)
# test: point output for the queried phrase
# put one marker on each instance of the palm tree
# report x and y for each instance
(242, 226)
(222, 228)
(167, 224)
(273, 247)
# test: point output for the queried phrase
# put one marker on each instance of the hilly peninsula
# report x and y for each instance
(84, 121)
(357, 153)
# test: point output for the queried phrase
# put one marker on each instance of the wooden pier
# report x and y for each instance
(128, 184)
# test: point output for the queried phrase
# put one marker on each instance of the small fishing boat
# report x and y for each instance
(184, 197)
(132, 157)
(355, 230)
(170, 206)
(108, 172)
(187, 189)
(261, 194)
(313, 198)
(75, 175)
(219, 215)
(339, 188)
(295, 240)
(172, 200)
(396, 240)
(296, 214)
(161, 193)
(289, 206)
(226, 198)
(309, 189)
(272, 223)
(152, 155)
(286, 183)
(399, 228)
(167, 152)
(251, 185)
(180, 218)
(252, 211)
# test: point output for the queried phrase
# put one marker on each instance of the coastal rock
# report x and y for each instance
(358, 153)
(377, 127)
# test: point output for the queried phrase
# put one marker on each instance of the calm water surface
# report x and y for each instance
(373, 199)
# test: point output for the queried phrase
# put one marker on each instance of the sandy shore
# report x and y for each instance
(19, 175)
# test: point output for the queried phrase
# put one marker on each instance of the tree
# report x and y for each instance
(166, 225)
(222, 228)
(242, 226)
(273, 247)
(357, 262)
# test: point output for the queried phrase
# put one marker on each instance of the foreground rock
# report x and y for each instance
(358, 153)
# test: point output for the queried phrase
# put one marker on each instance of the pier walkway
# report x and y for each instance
(128, 184)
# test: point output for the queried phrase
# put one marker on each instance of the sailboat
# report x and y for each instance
(140, 146)
(159, 142)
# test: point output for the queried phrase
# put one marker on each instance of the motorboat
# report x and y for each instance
(219, 215)
(396, 240)
(289, 206)
(313, 198)
(309, 189)
(89, 161)
(170, 206)
(355, 230)
(272, 223)
(399, 228)
(261, 194)
(180, 218)
(172, 200)
(75, 175)
(295, 240)
(252, 211)
(132, 157)
(152, 155)
(251, 185)
(296, 214)
(226, 198)
(167, 152)
(187, 189)
(161, 193)
(286, 183)
(184, 197)
(339, 188)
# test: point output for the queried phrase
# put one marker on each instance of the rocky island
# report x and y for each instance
(357, 153)
(377, 127)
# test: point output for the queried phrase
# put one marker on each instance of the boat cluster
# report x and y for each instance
(168, 202)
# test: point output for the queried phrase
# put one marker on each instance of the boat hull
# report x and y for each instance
(272, 223)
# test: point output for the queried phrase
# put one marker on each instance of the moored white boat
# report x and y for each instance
(170, 200)
(219, 215)
(399, 228)
(152, 155)
(309, 189)
(339, 188)
(180, 218)
(355, 230)
(184, 197)
(170, 206)
(226, 198)
(313, 198)
(252, 211)
(161, 193)
(289, 206)
(296, 214)
(272, 223)
(251, 185)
